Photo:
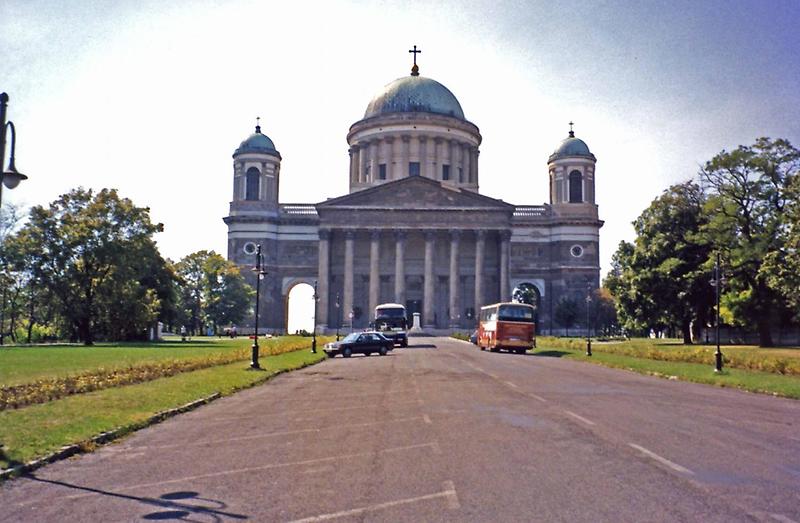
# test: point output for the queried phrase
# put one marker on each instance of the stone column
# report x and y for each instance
(405, 156)
(400, 268)
(438, 158)
(505, 245)
(323, 278)
(373, 161)
(453, 146)
(423, 157)
(455, 298)
(374, 275)
(473, 175)
(362, 163)
(389, 157)
(466, 154)
(352, 152)
(347, 301)
(480, 247)
(427, 302)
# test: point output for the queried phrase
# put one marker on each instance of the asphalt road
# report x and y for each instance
(443, 432)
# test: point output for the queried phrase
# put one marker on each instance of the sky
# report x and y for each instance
(153, 97)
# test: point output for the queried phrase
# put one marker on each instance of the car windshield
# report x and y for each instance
(353, 336)
(515, 313)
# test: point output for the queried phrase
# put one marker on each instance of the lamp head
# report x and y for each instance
(12, 177)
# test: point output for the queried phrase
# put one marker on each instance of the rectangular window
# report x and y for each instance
(460, 175)
(413, 168)
(445, 172)
(382, 171)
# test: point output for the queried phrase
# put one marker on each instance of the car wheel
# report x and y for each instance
(494, 349)
(482, 348)
(521, 351)
(367, 353)
(384, 351)
(347, 352)
(404, 344)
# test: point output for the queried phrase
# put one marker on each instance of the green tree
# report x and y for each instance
(782, 266)
(670, 257)
(746, 205)
(566, 313)
(603, 312)
(91, 251)
(213, 291)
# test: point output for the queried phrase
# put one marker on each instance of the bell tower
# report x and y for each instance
(256, 175)
(572, 172)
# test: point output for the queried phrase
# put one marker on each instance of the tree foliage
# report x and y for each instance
(749, 194)
(93, 255)
(566, 313)
(212, 291)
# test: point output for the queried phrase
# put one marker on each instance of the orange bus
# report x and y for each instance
(507, 326)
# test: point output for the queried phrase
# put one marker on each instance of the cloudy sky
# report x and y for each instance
(153, 97)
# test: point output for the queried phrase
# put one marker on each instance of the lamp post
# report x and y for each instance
(717, 283)
(338, 316)
(314, 327)
(11, 177)
(588, 331)
(260, 272)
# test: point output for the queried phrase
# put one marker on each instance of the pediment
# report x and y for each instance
(415, 193)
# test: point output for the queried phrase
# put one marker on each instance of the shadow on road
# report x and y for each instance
(551, 353)
(420, 346)
(176, 502)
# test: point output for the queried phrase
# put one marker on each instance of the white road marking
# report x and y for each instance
(449, 494)
(579, 417)
(452, 496)
(782, 518)
(663, 461)
(537, 397)
(427, 419)
(513, 385)
(271, 434)
(433, 446)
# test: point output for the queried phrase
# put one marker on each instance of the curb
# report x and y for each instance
(102, 438)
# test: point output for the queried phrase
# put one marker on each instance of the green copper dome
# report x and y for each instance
(415, 94)
(257, 143)
(570, 148)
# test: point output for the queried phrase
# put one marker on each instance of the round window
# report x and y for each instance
(576, 251)
(249, 248)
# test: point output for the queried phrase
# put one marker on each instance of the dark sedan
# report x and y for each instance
(360, 343)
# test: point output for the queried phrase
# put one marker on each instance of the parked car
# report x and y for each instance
(360, 343)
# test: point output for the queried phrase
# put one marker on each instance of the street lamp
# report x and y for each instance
(260, 273)
(588, 331)
(314, 327)
(11, 177)
(338, 316)
(717, 282)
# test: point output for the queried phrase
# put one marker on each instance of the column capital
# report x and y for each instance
(400, 235)
(388, 139)
(349, 234)
(438, 140)
(405, 137)
(505, 234)
(422, 138)
(455, 234)
(375, 234)
(431, 234)
(480, 234)
(324, 234)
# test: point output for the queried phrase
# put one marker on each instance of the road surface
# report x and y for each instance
(442, 432)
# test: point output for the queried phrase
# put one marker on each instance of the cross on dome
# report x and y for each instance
(571, 132)
(415, 68)
(258, 124)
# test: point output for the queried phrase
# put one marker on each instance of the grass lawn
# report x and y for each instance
(25, 364)
(37, 430)
(691, 363)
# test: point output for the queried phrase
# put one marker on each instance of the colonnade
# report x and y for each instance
(400, 237)
(396, 152)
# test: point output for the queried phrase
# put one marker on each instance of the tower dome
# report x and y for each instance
(257, 143)
(571, 147)
(412, 94)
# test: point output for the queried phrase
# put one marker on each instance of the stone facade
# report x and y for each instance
(414, 228)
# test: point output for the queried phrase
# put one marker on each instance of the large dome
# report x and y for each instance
(257, 143)
(415, 94)
(571, 147)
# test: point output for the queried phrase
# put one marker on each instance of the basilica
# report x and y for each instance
(414, 228)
